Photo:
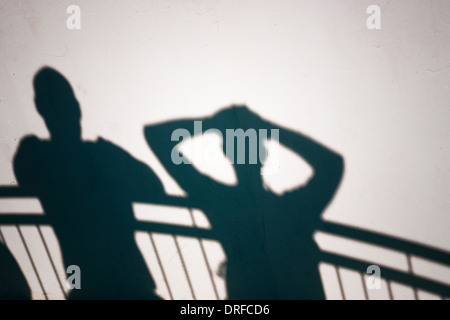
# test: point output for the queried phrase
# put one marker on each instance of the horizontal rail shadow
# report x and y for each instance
(410, 248)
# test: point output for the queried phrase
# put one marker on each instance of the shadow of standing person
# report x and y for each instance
(267, 239)
(86, 190)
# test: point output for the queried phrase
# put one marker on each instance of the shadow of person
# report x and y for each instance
(267, 238)
(13, 285)
(86, 190)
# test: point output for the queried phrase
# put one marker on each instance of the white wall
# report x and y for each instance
(378, 97)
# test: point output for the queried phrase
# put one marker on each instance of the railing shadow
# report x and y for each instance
(408, 276)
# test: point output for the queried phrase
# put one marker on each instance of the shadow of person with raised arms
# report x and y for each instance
(267, 238)
(86, 190)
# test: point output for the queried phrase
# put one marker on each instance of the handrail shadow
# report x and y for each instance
(408, 248)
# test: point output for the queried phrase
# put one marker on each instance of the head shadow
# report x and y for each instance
(56, 103)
